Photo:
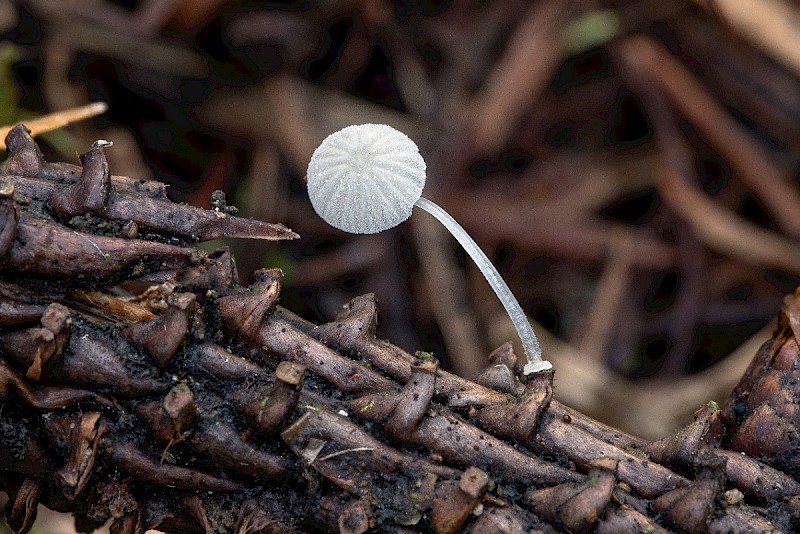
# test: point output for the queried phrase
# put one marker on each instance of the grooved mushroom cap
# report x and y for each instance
(365, 179)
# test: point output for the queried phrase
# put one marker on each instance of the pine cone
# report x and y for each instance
(140, 383)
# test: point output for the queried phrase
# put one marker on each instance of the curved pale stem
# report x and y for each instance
(529, 342)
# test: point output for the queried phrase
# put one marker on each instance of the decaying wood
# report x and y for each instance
(197, 405)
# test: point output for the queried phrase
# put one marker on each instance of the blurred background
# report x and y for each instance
(629, 166)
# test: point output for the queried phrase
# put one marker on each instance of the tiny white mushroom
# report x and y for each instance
(367, 178)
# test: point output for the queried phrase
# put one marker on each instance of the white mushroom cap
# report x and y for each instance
(365, 179)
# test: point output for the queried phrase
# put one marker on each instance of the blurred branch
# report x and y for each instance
(773, 25)
(724, 231)
(513, 85)
(152, 54)
(613, 286)
(750, 161)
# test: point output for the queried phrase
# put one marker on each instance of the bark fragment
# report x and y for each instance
(35, 348)
(577, 506)
(133, 461)
(89, 194)
(268, 410)
(24, 504)
(81, 435)
(119, 198)
(161, 337)
(215, 360)
(245, 312)
(225, 446)
(93, 363)
(500, 375)
(455, 501)
(8, 216)
(48, 249)
(690, 507)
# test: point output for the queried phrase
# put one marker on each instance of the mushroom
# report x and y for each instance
(367, 178)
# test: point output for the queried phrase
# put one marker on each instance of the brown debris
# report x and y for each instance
(455, 501)
(23, 505)
(354, 331)
(682, 448)
(93, 363)
(35, 348)
(520, 416)
(756, 478)
(453, 438)
(269, 410)
(494, 519)
(690, 507)
(350, 458)
(173, 517)
(15, 313)
(226, 447)
(133, 461)
(244, 312)
(179, 406)
(357, 518)
(219, 362)
(194, 507)
(413, 400)
(217, 273)
(161, 337)
(500, 373)
(584, 439)
(625, 519)
(122, 202)
(43, 397)
(278, 336)
(170, 418)
(738, 519)
(90, 193)
(8, 216)
(24, 156)
(48, 249)
(648, 478)
(108, 306)
(577, 506)
(82, 435)
(113, 499)
(253, 519)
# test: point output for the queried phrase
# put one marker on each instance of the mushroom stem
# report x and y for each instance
(529, 342)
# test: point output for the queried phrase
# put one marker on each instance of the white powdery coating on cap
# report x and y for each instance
(365, 179)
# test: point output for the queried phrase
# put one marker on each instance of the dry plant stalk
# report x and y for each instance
(58, 119)
(139, 383)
